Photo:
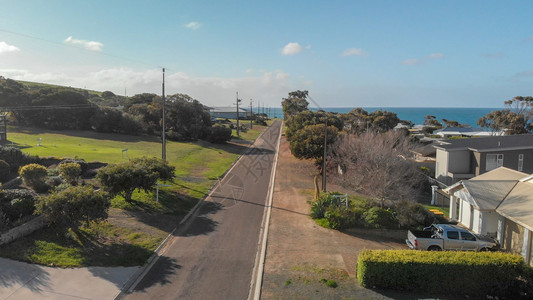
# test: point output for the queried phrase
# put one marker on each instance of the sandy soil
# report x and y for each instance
(302, 255)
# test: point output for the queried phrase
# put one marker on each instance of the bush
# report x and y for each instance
(54, 181)
(319, 207)
(71, 172)
(465, 273)
(33, 175)
(340, 217)
(74, 205)
(83, 164)
(218, 134)
(377, 217)
(15, 157)
(17, 203)
(4, 170)
(411, 214)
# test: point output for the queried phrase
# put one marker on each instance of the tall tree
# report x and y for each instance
(295, 103)
(516, 118)
(377, 165)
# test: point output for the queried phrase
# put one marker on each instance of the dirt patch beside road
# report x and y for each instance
(302, 256)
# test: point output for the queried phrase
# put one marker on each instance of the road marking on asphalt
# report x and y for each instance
(259, 267)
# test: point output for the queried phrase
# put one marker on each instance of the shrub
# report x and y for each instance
(15, 157)
(71, 172)
(4, 170)
(140, 173)
(83, 164)
(319, 207)
(33, 175)
(340, 217)
(17, 203)
(74, 205)
(54, 181)
(412, 214)
(218, 134)
(465, 273)
(377, 217)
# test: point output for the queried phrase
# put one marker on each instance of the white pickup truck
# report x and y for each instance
(439, 237)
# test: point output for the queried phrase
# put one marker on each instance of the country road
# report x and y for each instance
(212, 255)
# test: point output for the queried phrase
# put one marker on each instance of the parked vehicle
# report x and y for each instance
(439, 237)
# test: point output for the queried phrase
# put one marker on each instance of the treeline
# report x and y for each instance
(62, 108)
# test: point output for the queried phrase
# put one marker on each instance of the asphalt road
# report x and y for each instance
(212, 256)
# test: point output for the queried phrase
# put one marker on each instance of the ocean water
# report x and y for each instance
(463, 115)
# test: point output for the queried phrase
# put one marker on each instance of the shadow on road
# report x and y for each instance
(165, 267)
(202, 223)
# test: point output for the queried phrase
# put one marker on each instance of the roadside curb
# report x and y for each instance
(136, 277)
(266, 225)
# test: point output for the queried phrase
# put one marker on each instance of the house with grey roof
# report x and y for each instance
(466, 158)
(498, 203)
(229, 112)
(464, 131)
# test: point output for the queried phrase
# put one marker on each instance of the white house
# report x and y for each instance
(498, 203)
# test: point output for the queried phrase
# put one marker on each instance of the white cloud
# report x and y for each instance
(193, 25)
(268, 87)
(291, 49)
(89, 45)
(411, 62)
(249, 71)
(5, 48)
(435, 56)
(353, 51)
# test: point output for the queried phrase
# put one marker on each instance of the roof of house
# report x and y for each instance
(501, 173)
(226, 109)
(517, 206)
(488, 190)
(487, 194)
(507, 142)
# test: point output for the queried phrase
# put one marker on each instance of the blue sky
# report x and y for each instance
(346, 53)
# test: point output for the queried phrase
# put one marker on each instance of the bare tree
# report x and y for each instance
(377, 165)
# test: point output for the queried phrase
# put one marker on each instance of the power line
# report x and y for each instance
(78, 47)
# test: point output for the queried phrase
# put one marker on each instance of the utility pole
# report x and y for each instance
(164, 150)
(251, 114)
(324, 158)
(238, 129)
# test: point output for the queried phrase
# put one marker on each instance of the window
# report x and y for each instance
(467, 236)
(493, 161)
(520, 162)
(453, 235)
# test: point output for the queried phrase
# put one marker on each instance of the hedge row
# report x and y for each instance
(448, 272)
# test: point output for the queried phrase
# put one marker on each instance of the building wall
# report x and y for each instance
(491, 222)
(510, 160)
(465, 215)
(459, 161)
(514, 237)
(476, 222)
(441, 166)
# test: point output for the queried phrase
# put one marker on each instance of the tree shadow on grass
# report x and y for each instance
(90, 134)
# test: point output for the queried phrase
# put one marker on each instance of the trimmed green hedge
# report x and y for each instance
(448, 272)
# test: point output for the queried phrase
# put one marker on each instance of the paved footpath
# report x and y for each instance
(20, 280)
(213, 256)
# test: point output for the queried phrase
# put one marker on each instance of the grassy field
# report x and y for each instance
(445, 210)
(127, 238)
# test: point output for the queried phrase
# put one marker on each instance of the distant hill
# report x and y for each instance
(37, 86)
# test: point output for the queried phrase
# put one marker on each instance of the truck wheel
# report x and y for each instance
(484, 249)
(434, 248)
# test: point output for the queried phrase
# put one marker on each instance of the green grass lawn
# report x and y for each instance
(198, 165)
